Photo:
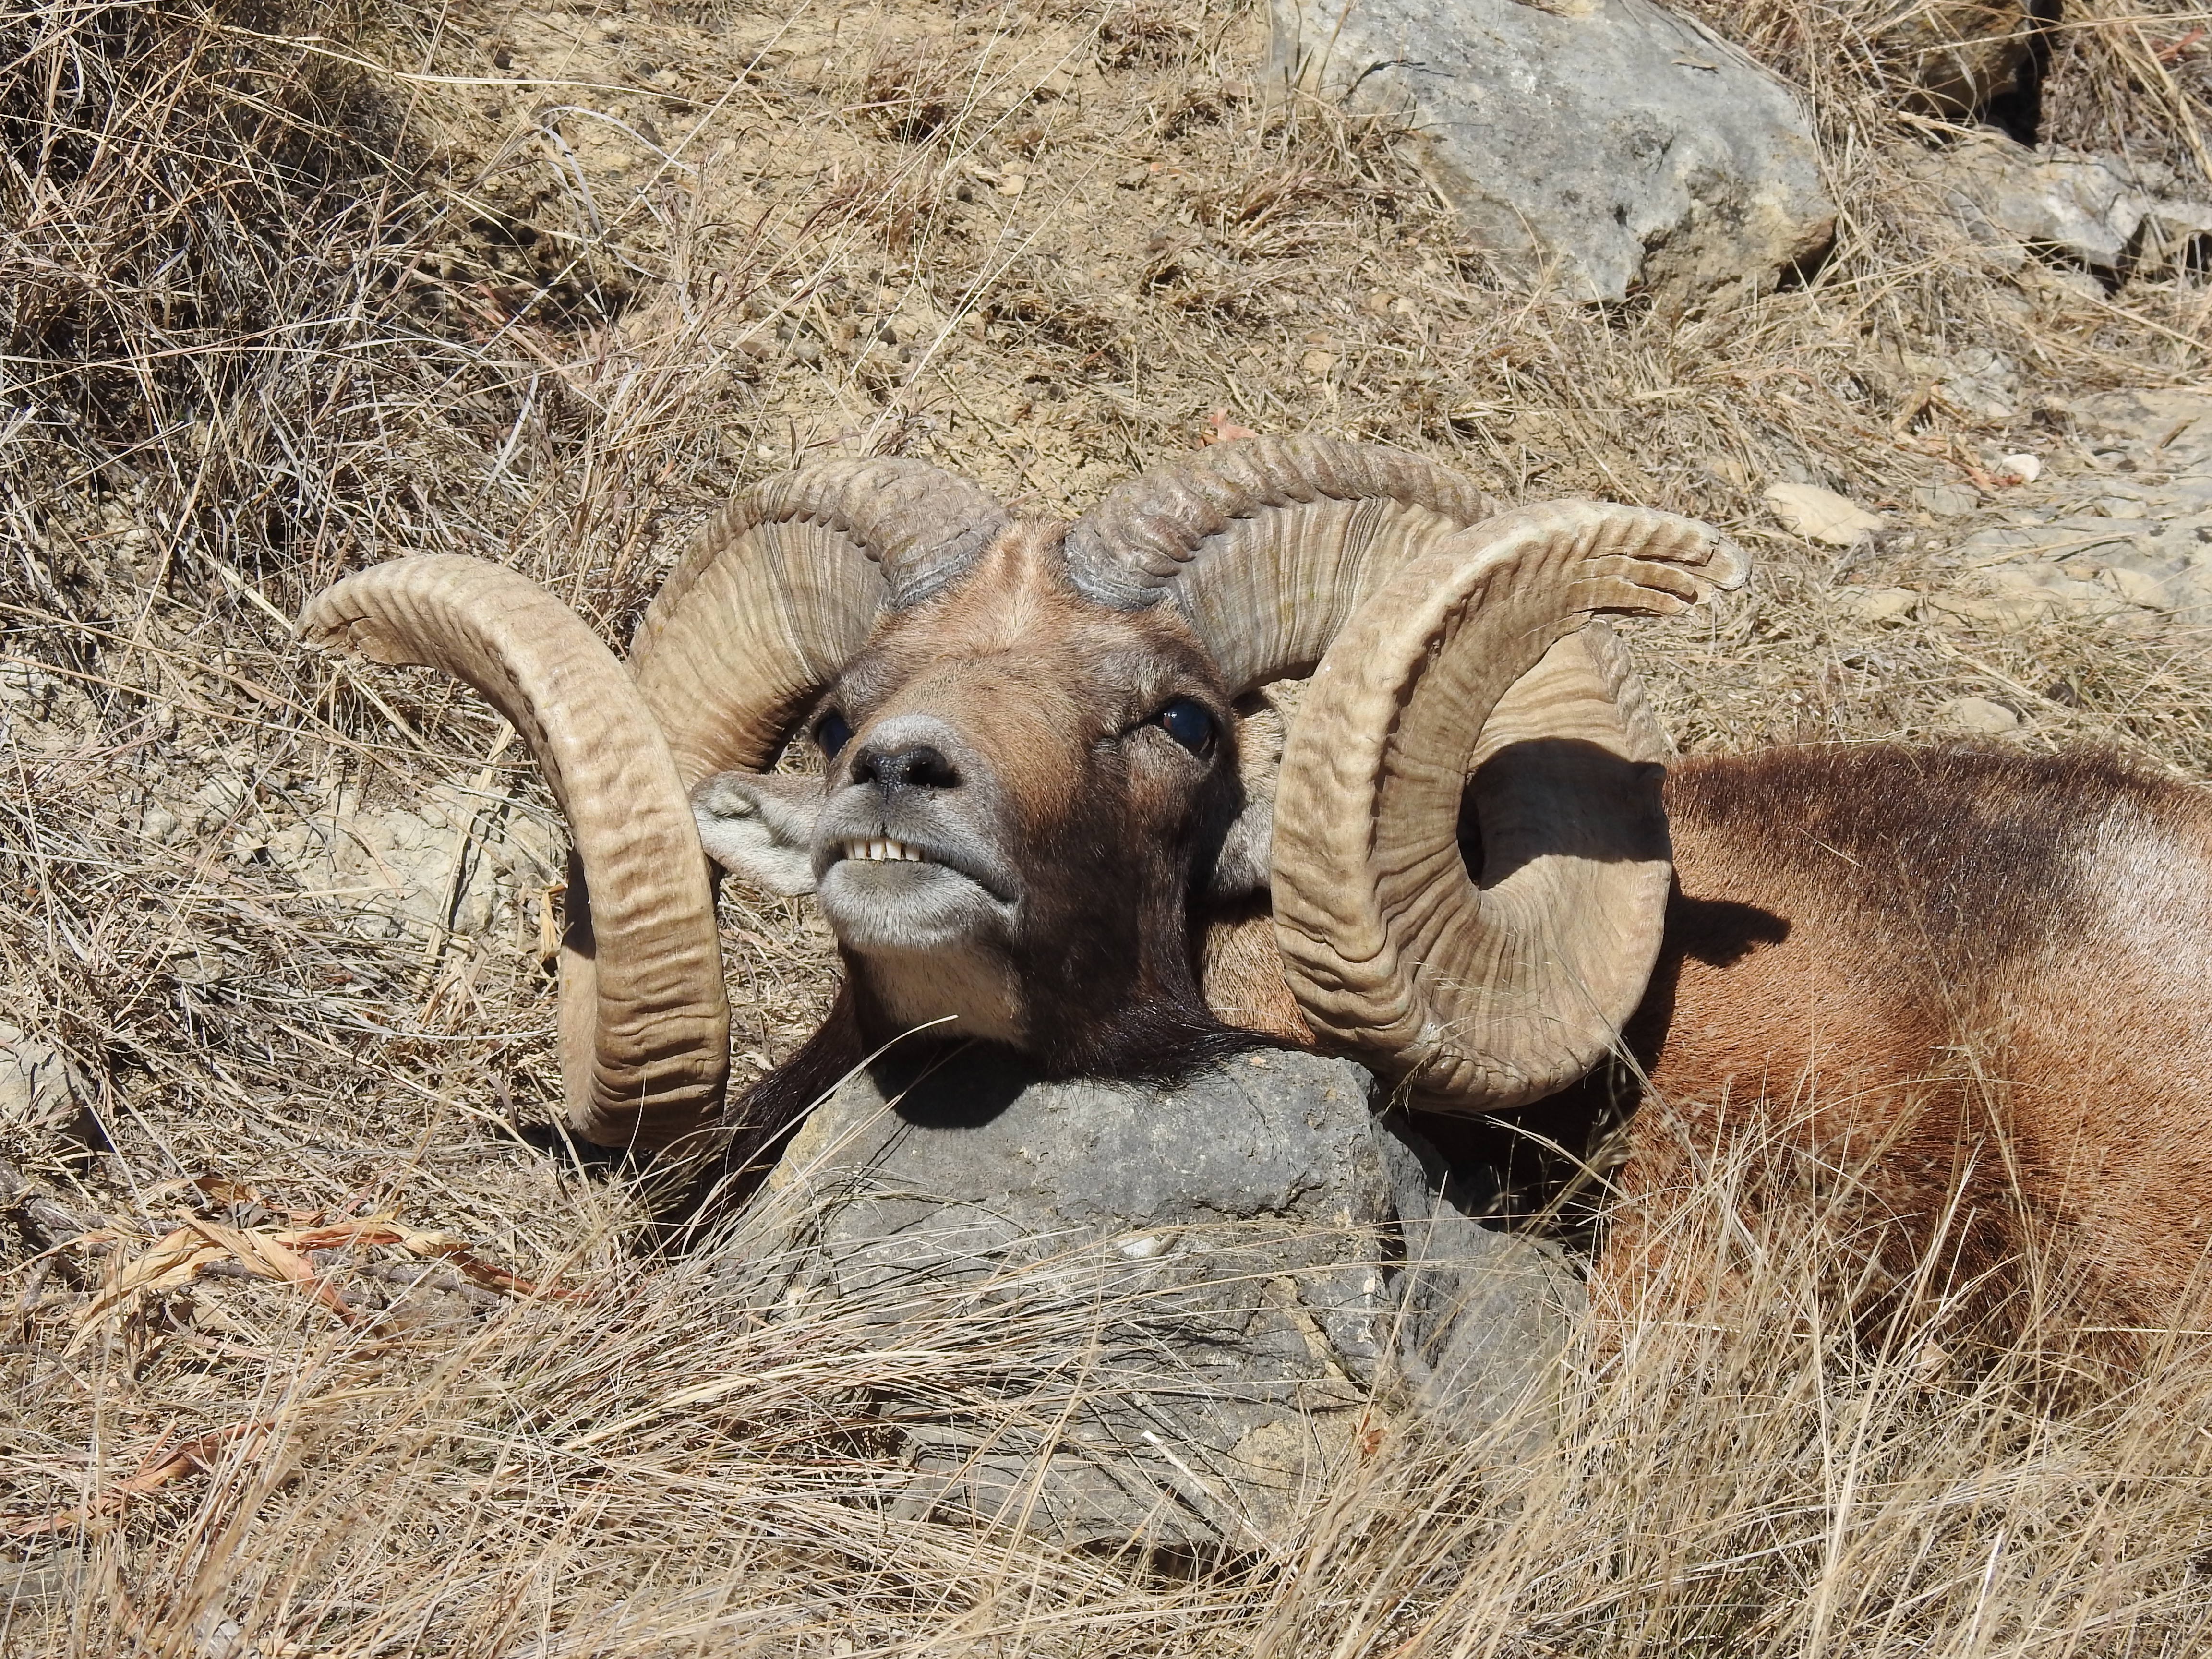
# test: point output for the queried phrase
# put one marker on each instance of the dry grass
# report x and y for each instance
(650, 1470)
(289, 288)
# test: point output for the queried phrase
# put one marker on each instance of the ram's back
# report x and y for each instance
(1896, 950)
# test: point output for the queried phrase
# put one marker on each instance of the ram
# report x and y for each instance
(1057, 812)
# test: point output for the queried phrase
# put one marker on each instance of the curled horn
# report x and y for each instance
(764, 608)
(1267, 546)
(780, 589)
(1284, 554)
(1485, 993)
(644, 1025)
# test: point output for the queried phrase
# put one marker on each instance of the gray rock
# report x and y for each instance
(1979, 717)
(1946, 501)
(1610, 138)
(28, 690)
(2171, 431)
(1200, 1300)
(43, 1581)
(2159, 581)
(454, 858)
(2098, 210)
(1978, 383)
(40, 1091)
(2057, 539)
(1878, 605)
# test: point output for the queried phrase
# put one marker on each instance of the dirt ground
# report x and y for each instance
(291, 290)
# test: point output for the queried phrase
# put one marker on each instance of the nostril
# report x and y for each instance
(919, 767)
(926, 767)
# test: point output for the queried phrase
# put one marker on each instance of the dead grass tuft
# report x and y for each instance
(913, 90)
(1145, 32)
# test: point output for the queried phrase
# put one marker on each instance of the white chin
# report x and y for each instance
(895, 906)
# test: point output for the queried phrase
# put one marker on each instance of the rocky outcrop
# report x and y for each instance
(1244, 1279)
(1608, 144)
(2115, 218)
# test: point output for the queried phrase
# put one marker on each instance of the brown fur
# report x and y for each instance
(1242, 969)
(1955, 971)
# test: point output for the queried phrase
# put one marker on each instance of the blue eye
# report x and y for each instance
(831, 732)
(1188, 724)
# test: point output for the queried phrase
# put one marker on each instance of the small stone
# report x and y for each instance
(2049, 583)
(39, 1088)
(2017, 469)
(28, 690)
(2002, 610)
(1821, 514)
(1978, 384)
(1946, 501)
(1875, 604)
(1729, 470)
(1979, 717)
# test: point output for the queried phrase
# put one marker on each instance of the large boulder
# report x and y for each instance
(1609, 140)
(1191, 1303)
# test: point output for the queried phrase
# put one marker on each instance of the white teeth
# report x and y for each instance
(882, 851)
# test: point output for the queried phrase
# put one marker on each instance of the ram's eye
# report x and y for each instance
(831, 733)
(1188, 724)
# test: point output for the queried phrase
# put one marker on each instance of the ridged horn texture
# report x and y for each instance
(1267, 546)
(780, 590)
(1482, 994)
(645, 1037)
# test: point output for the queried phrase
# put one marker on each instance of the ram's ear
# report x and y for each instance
(760, 827)
(1241, 867)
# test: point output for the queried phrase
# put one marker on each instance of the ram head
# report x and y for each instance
(1056, 810)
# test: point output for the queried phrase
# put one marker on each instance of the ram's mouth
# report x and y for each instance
(881, 894)
(884, 850)
(913, 866)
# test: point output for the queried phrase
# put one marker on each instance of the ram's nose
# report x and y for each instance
(905, 755)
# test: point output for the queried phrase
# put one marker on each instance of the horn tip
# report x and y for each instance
(1727, 566)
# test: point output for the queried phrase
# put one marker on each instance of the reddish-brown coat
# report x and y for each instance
(1886, 956)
